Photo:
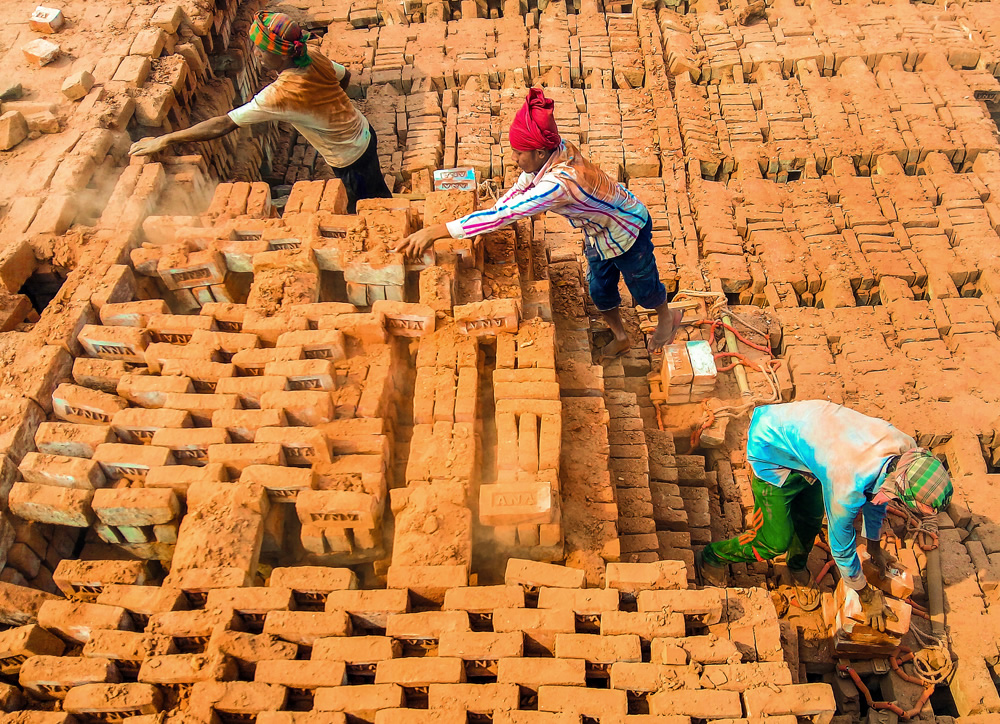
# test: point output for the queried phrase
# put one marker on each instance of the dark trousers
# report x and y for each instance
(363, 178)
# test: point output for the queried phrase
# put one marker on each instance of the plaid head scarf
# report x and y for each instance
(278, 34)
(920, 477)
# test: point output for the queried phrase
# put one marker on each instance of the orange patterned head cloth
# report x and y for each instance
(278, 34)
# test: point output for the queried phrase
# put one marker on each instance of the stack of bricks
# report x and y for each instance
(523, 505)
(310, 646)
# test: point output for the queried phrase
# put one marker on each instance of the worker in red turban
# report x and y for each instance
(534, 127)
(617, 228)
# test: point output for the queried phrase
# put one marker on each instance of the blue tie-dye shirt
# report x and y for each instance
(843, 449)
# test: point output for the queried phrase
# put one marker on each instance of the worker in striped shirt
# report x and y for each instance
(617, 228)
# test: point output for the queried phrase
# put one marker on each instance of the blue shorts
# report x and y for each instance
(637, 266)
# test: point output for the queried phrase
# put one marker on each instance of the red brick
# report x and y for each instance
(205, 375)
(86, 580)
(473, 698)
(487, 318)
(242, 425)
(304, 374)
(181, 669)
(302, 446)
(700, 704)
(301, 674)
(481, 645)
(250, 390)
(22, 642)
(142, 601)
(740, 677)
(71, 439)
(74, 621)
(132, 314)
(79, 404)
(355, 649)
(201, 407)
(151, 390)
(137, 425)
(305, 627)
(300, 717)
(812, 700)
(483, 599)
(312, 584)
(697, 649)
(369, 608)
(236, 457)
(181, 477)
(516, 503)
(631, 578)
(159, 353)
(539, 626)
(65, 472)
(598, 649)
(301, 407)
(52, 505)
(647, 626)
(130, 462)
(189, 446)
(127, 344)
(249, 649)
(430, 583)
(362, 701)
(325, 344)
(704, 605)
(634, 676)
(544, 717)
(533, 574)
(420, 716)
(600, 704)
(579, 601)
(420, 671)
(117, 700)
(251, 362)
(237, 697)
(429, 625)
(339, 509)
(252, 604)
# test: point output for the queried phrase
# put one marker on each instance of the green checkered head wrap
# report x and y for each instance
(921, 478)
(277, 33)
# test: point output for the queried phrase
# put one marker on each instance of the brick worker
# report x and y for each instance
(310, 93)
(617, 228)
(860, 463)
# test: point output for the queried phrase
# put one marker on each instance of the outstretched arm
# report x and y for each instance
(204, 131)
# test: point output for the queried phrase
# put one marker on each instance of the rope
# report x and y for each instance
(718, 306)
(923, 529)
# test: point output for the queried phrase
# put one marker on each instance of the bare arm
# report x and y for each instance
(204, 131)
(346, 80)
(418, 242)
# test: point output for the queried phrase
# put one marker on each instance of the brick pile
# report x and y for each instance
(243, 436)
(311, 646)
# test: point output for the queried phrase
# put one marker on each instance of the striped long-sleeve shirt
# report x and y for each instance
(569, 185)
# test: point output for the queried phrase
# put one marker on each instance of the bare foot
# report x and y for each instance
(666, 329)
(614, 348)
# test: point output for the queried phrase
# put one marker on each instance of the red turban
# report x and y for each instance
(534, 127)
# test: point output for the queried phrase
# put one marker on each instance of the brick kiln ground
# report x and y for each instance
(257, 468)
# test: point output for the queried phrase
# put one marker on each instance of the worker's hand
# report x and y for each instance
(148, 146)
(883, 562)
(874, 608)
(419, 242)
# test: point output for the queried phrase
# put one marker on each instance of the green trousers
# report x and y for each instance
(784, 519)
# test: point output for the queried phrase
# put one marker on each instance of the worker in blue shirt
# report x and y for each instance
(811, 458)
